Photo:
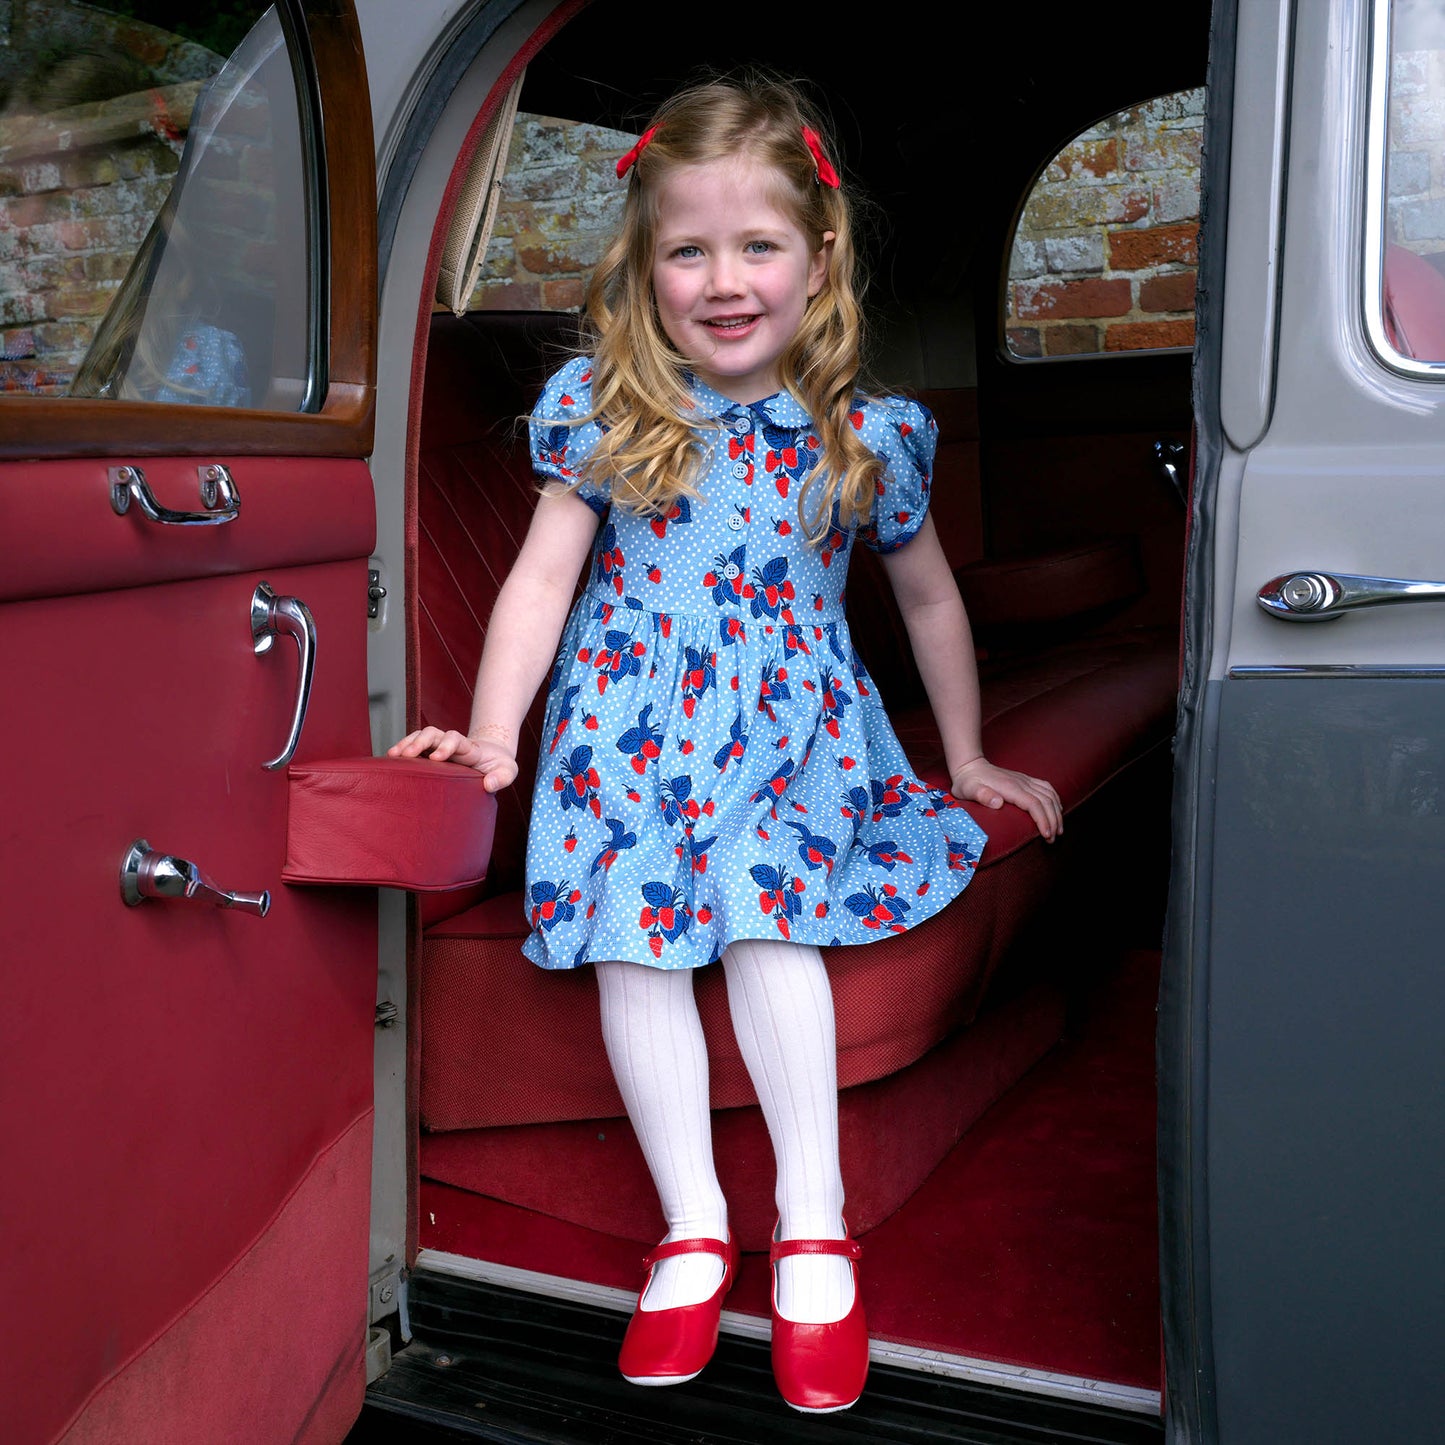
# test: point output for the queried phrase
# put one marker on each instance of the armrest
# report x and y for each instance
(388, 822)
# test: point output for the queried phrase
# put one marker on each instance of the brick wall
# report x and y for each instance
(1105, 255)
(1416, 185)
(561, 203)
(80, 183)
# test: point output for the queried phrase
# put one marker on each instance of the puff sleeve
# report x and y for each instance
(560, 444)
(904, 436)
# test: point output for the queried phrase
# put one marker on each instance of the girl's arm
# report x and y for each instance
(521, 641)
(943, 649)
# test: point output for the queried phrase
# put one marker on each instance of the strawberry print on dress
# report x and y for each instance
(736, 776)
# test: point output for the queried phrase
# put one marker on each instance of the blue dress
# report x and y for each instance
(716, 763)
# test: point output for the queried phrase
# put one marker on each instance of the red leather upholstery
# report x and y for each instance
(387, 822)
(1414, 305)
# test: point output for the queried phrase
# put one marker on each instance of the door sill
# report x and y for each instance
(988, 1373)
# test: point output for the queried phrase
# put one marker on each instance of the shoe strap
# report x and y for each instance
(688, 1246)
(782, 1248)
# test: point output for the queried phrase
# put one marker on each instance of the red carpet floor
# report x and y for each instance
(1034, 1243)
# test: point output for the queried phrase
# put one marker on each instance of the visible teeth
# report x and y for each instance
(732, 323)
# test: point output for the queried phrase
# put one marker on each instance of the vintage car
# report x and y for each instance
(1142, 1137)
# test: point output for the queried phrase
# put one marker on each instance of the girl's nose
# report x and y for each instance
(724, 278)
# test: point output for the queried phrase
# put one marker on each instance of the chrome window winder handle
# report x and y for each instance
(144, 873)
(271, 615)
(219, 497)
(1323, 596)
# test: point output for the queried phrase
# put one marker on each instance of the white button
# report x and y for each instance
(740, 470)
(732, 570)
(741, 423)
(735, 522)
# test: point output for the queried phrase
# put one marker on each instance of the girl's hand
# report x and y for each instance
(494, 762)
(979, 781)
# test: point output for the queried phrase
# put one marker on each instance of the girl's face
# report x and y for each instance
(732, 274)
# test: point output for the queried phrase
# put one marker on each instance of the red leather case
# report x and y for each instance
(388, 822)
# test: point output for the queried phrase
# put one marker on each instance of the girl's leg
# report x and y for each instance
(782, 1012)
(655, 1043)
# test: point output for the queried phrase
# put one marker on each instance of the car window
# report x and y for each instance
(560, 205)
(1405, 250)
(158, 233)
(1106, 247)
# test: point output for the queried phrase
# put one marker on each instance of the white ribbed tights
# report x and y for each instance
(782, 1014)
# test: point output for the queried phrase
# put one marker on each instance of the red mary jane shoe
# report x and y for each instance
(820, 1368)
(668, 1347)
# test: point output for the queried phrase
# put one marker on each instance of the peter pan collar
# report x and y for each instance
(779, 409)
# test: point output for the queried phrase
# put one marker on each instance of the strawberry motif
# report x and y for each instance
(620, 838)
(642, 744)
(780, 897)
(553, 903)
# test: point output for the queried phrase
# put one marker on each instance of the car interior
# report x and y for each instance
(997, 1062)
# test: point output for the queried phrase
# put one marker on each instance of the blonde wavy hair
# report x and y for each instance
(650, 451)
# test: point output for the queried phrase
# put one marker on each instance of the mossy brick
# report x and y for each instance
(1148, 335)
(103, 265)
(17, 344)
(21, 308)
(1058, 207)
(1416, 119)
(563, 294)
(1409, 172)
(1075, 253)
(1163, 149)
(62, 336)
(1096, 158)
(543, 142)
(1171, 291)
(542, 183)
(1422, 220)
(1071, 339)
(514, 296)
(1176, 198)
(1027, 260)
(1155, 246)
(1062, 300)
(81, 301)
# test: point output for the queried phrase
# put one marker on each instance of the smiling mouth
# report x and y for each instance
(725, 324)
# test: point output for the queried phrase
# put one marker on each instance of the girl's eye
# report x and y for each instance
(686, 253)
(759, 248)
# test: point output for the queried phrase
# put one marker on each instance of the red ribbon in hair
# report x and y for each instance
(826, 174)
(626, 163)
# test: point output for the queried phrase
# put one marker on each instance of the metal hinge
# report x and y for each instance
(375, 592)
(386, 1014)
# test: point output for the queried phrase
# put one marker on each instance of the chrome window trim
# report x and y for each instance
(1376, 177)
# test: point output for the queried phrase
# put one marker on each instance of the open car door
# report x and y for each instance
(187, 518)
(1304, 1001)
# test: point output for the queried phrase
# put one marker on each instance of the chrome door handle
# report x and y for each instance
(1322, 596)
(144, 873)
(271, 615)
(219, 497)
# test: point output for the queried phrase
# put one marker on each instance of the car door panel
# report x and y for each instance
(187, 1089)
(192, 1067)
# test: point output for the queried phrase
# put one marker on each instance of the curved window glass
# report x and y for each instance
(160, 222)
(1405, 235)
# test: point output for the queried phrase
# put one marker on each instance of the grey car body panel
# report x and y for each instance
(1301, 1150)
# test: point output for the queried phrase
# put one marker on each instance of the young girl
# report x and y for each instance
(719, 780)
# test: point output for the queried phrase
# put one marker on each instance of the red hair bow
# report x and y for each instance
(826, 174)
(626, 163)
